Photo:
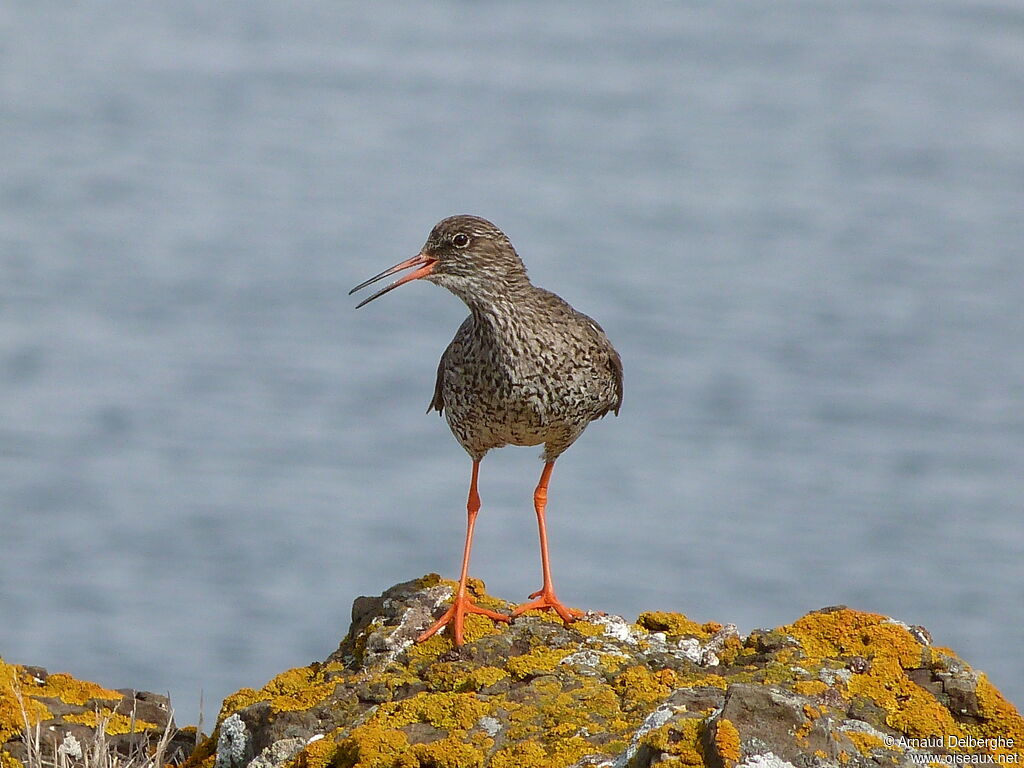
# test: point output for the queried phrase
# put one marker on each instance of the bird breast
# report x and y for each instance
(505, 383)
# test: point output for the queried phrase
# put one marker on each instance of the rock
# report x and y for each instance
(67, 712)
(838, 687)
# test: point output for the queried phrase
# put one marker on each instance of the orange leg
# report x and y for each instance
(546, 597)
(462, 604)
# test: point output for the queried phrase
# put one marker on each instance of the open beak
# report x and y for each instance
(424, 264)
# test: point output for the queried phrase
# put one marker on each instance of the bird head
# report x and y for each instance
(468, 255)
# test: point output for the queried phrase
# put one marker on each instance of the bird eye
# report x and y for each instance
(460, 240)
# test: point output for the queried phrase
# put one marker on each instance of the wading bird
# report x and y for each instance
(524, 368)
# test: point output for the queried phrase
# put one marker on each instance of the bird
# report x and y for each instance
(524, 368)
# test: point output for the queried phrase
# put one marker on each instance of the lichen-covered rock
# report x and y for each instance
(68, 711)
(836, 688)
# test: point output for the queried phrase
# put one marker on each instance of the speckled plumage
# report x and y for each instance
(524, 372)
(524, 368)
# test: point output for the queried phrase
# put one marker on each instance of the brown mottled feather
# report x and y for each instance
(525, 367)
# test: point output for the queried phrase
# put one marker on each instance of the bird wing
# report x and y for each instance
(437, 401)
(614, 366)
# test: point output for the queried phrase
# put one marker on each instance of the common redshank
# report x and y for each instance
(524, 368)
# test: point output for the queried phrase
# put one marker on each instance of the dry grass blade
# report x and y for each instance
(99, 752)
(30, 734)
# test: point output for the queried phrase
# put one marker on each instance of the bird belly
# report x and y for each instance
(494, 398)
(483, 423)
(514, 414)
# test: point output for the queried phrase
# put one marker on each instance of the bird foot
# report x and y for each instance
(547, 600)
(455, 616)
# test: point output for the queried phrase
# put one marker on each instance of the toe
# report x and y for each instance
(548, 602)
(455, 618)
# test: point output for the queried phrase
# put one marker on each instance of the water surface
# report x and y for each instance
(800, 224)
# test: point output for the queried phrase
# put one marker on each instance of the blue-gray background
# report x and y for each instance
(800, 222)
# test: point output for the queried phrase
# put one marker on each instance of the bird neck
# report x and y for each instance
(496, 296)
(503, 308)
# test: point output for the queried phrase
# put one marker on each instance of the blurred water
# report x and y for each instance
(799, 222)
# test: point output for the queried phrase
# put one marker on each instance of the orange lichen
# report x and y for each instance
(727, 742)
(810, 687)
(536, 662)
(732, 648)
(298, 688)
(446, 753)
(461, 676)
(477, 627)
(553, 715)
(587, 628)
(204, 754)
(804, 728)
(999, 719)
(812, 712)
(680, 739)
(380, 742)
(113, 724)
(371, 746)
(16, 683)
(318, 754)
(73, 691)
(532, 754)
(845, 633)
(240, 699)
(865, 743)
(772, 673)
(427, 652)
(292, 690)
(525, 754)
(642, 689)
(441, 710)
(11, 717)
(676, 624)
(890, 650)
(699, 680)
